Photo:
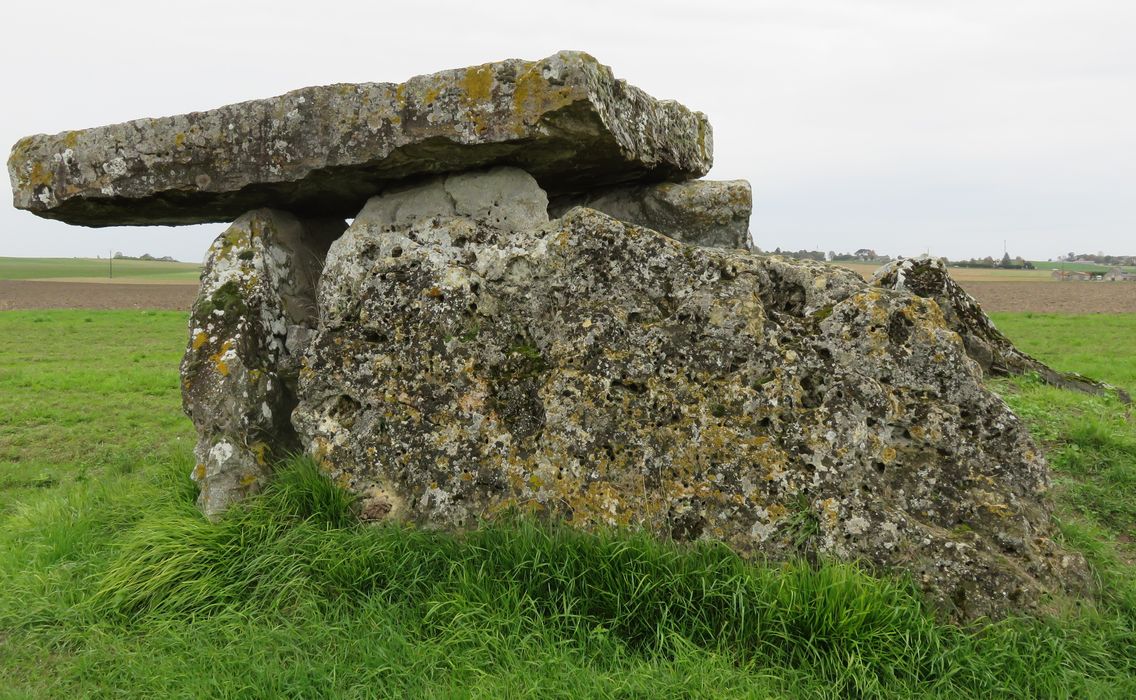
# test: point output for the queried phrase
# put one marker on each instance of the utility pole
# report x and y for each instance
(110, 261)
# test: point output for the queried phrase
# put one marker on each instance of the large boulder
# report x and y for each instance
(248, 330)
(713, 213)
(604, 373)
(323, 151)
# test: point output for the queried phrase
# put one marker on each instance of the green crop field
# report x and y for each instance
(89, 269)
(1078, 267)
(113, 585)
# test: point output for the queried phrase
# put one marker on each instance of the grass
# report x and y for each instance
(85, 391)
(111, 584)
(1079, 267)
(1101, 346)
(1090, 441)
(93, 269)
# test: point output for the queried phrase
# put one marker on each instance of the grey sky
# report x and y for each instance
(899, 125)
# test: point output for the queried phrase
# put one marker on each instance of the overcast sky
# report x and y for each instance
(906, 126)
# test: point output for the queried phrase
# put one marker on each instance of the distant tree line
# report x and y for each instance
(1005, 263)
(1101, 259)
(144, 256)
(861, 255)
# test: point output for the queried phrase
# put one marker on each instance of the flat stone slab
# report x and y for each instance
(323, 151)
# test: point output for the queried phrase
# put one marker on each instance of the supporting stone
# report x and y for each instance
(612, 376)
(712, 213)
(248, 330)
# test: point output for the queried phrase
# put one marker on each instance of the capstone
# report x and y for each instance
(323, 151)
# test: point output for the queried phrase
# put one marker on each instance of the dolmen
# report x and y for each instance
(505, 288)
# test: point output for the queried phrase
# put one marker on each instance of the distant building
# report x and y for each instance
(1071, 275)
(1118, 275)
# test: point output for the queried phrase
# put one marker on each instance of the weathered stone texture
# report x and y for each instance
(711, 213)
(928, 277)
(508, 198)
(607, 374)
(323, 151)
(249, 326)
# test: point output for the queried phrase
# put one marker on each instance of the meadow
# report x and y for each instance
(95, 270)
(112, 584)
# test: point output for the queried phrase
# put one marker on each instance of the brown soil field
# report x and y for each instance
(1035, 291)
(26, 294)
(1055, 297)
(1011, 295)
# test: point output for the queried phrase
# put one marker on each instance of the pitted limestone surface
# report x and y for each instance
(509, 198)
(607, 374)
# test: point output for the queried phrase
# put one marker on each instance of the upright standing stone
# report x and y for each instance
(323, 151)
(248, 331)
(583, 368)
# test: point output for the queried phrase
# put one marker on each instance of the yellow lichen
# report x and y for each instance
(776, 512)
(319, 449)
(1000, 510)
(831, 510)
(200, 339)
(533, 95)
(478, 84)
(40, 176)
(218, 360)
(260, 452)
